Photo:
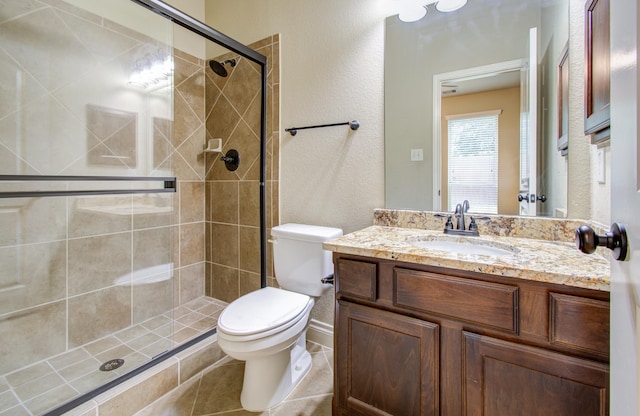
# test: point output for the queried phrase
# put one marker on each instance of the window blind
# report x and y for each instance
(473, 161)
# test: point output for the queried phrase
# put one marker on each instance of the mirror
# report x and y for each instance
(420, 58)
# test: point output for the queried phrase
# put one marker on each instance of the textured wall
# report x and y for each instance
(332, 55)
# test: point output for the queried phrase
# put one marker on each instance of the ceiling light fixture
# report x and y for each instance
(411, 10)
(412, 14)
(152, 70)
(446, 6)
(414, 10)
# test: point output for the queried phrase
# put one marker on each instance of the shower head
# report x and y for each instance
(218, 67)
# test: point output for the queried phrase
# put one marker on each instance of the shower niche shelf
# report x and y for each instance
(214, 146)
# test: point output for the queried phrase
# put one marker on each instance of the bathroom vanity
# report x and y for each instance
(427, 332)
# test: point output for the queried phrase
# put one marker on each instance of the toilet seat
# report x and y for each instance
(262, 313)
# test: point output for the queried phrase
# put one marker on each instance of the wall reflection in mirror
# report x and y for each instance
(448, 73)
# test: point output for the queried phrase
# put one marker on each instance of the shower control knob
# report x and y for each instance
(231, 160)
(616, 240)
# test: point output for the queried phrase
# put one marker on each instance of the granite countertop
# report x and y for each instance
(556, 262)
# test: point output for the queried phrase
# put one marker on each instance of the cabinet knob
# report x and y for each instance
(616, 240)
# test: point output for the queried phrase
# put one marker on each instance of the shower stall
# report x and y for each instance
(122, 236)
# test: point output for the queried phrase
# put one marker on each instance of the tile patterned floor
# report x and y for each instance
(216, 391)
(49, 383)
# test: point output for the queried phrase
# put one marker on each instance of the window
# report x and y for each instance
(473, 161)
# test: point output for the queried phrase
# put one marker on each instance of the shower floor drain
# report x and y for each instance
(112, 364)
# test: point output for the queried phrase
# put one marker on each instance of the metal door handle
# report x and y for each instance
(531, 198)
(616, 240)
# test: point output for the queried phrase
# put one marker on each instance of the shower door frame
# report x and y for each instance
(213, 35)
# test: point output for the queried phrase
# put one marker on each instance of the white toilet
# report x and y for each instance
(267, 327)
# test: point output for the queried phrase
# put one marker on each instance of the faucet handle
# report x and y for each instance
(473, 226)
(479, 217)
(449, 223)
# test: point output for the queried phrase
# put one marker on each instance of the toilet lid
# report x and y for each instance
(261, 310)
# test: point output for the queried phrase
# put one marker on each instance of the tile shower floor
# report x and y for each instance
(44, 385)
(216, 391)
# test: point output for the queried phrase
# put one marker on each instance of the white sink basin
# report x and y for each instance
(467, 246)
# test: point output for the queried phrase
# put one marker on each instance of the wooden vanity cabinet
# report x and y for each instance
(420, 340)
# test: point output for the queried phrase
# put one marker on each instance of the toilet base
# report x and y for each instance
(269, 380)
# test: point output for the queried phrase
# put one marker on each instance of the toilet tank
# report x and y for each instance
(298, 258)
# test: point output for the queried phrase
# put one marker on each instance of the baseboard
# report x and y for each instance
(320, 333)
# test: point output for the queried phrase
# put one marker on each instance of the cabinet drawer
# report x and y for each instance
(580, 323)
(357, 278)
(475, 301)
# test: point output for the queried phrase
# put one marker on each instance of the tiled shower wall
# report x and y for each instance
(232, 207)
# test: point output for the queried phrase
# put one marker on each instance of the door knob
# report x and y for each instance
(531, 198)
(616, 240)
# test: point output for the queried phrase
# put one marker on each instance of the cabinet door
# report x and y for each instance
(597, 71)
(387, 364)
(504, 378)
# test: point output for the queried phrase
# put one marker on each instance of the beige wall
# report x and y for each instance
(130, 15)
(184, 39)
(332, 55)
(507, 100)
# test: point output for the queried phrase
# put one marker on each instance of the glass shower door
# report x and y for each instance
(87, 265)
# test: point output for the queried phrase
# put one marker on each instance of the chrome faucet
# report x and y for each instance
(460, 229)
(459, 217)
(459, 213)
